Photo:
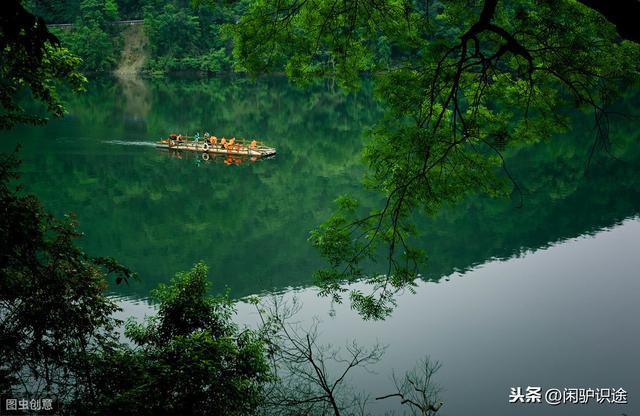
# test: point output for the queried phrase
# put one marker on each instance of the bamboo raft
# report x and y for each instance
(211, 144)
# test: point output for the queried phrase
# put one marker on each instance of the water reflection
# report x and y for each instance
(200, 158)
(561, 316)
(135, 92)
(159, 213)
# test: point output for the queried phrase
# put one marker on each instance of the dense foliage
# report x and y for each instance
(473, 78)
(187, 38)
(188, 359)
(67, 11)
(93, 37)
(182, 36)
(32, 64)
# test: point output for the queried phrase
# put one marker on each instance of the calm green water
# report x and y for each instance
(159, 214)
(514, 283)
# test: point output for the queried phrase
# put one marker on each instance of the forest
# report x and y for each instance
(182, 36)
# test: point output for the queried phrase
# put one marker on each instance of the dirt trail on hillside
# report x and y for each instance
(132, 59)
(134, 54)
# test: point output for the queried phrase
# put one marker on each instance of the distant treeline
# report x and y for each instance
(181, 36)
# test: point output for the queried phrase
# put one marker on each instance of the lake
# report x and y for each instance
(545, 294)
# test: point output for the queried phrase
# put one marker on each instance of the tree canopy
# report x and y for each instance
(189, 358)
(94, 38)
(32, 62)
(461, 80)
